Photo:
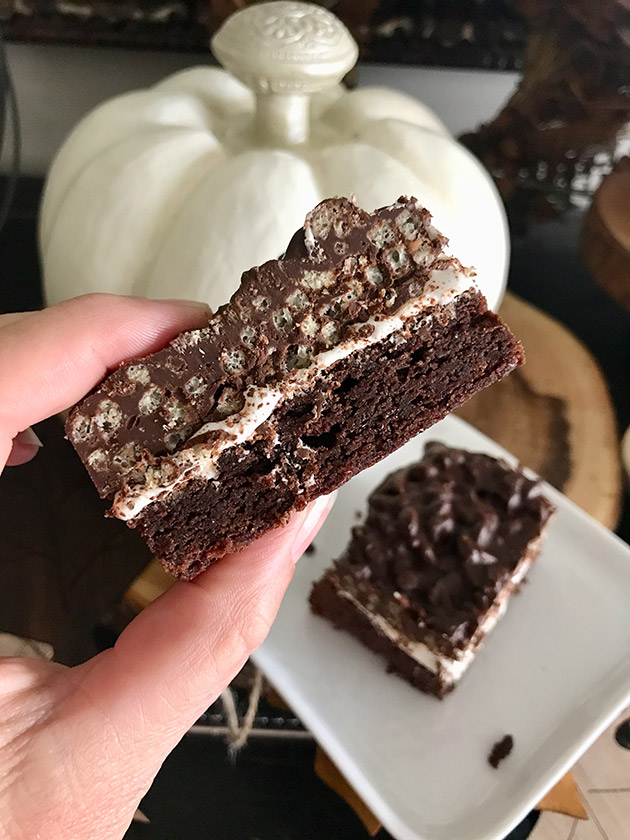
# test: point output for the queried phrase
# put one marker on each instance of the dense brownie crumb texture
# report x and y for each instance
(444, 544)
(213, 440)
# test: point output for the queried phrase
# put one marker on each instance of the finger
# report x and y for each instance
(50, 359)
(10, 317)
(179, 654)
(129, 706)
(25, 447)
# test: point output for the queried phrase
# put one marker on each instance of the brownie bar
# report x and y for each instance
(424, 580)
(364, 333)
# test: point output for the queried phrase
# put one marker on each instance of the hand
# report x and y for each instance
(80, 746)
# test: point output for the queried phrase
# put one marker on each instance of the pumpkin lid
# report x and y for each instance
(285, 46)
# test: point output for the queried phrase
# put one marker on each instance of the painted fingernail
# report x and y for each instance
(314, 518)
(28, 438)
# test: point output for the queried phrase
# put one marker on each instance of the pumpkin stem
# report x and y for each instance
(282, 119)
(285, 51)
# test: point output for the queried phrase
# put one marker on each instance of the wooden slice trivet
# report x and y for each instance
(555, 413)
(606, 234)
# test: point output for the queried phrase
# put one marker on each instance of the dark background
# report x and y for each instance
(452, 33)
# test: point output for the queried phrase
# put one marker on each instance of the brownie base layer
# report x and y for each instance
(326, 602)
(362, 409)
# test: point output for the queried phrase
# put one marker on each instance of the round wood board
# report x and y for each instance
(555, 413)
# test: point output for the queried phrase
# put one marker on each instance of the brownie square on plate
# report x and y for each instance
(426, 577)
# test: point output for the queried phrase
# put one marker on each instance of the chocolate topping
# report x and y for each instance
(443, 537)
(344, 267)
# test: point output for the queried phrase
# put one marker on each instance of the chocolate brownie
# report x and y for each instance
(445, 543)
(363, 334)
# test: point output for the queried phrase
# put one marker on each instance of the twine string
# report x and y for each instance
(239, 732)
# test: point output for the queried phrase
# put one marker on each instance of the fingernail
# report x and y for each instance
(28, 438)
(193, 304)
(309, 527)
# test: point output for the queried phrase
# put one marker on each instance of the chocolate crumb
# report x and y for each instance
(500, 751)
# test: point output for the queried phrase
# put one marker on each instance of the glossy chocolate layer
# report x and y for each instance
(344, 268)
(441, 541)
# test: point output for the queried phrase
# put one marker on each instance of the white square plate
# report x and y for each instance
(554, 673)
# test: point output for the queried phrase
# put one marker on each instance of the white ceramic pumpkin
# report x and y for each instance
(176, 190)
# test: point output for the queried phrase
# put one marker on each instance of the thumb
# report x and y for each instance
(180, 652)
(130, 705)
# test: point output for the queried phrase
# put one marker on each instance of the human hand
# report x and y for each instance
(80, 746)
